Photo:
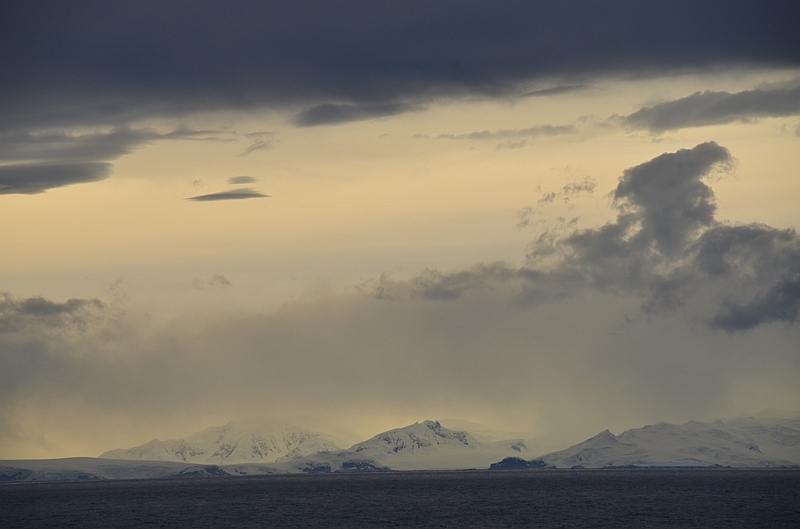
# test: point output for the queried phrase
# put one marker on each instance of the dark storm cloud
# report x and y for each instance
(85, 62)
(716, 108)
(233, 194)
(34, 178)
(665, 246)
(530, 132)
(666, 198)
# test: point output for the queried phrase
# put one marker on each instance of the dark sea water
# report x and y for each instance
(575, 498)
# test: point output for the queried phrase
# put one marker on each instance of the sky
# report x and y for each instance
(548, 218)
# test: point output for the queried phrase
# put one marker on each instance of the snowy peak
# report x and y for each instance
(761, 440)
(263, 441)
(416, 437)
(429, 445)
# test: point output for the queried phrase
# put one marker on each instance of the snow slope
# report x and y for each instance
(255, 441)
(766, 439)
(429, 445)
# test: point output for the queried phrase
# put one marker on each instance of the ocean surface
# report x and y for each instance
(572, 498)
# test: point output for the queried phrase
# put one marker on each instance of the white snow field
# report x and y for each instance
(767, 439)
(254, 441)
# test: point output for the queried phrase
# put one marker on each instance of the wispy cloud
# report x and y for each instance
(32, 163)
(530, 132)
(215, 281)
(334, 114)
(585, 185)
(261, 141)
(556, 90)
(716, 108)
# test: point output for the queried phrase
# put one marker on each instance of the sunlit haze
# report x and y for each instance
(360, 215)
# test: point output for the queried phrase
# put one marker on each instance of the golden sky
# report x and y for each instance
(441, 253)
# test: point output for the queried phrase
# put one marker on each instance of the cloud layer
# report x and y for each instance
(94, 64)
(665, 313)
(85, 63)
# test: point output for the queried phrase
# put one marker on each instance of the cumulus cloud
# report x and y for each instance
(716, 108)
(665, 247)
(233, 194)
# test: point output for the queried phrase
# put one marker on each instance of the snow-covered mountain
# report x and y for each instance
(767, 439)
(420, 446)
(429, 445)
(272, 447)
(255, 441)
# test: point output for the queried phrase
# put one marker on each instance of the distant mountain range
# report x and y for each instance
(768, 439)
(256, 441)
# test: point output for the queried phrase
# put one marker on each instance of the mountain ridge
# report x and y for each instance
(252, 441)
(759, 440)
(763, 440)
